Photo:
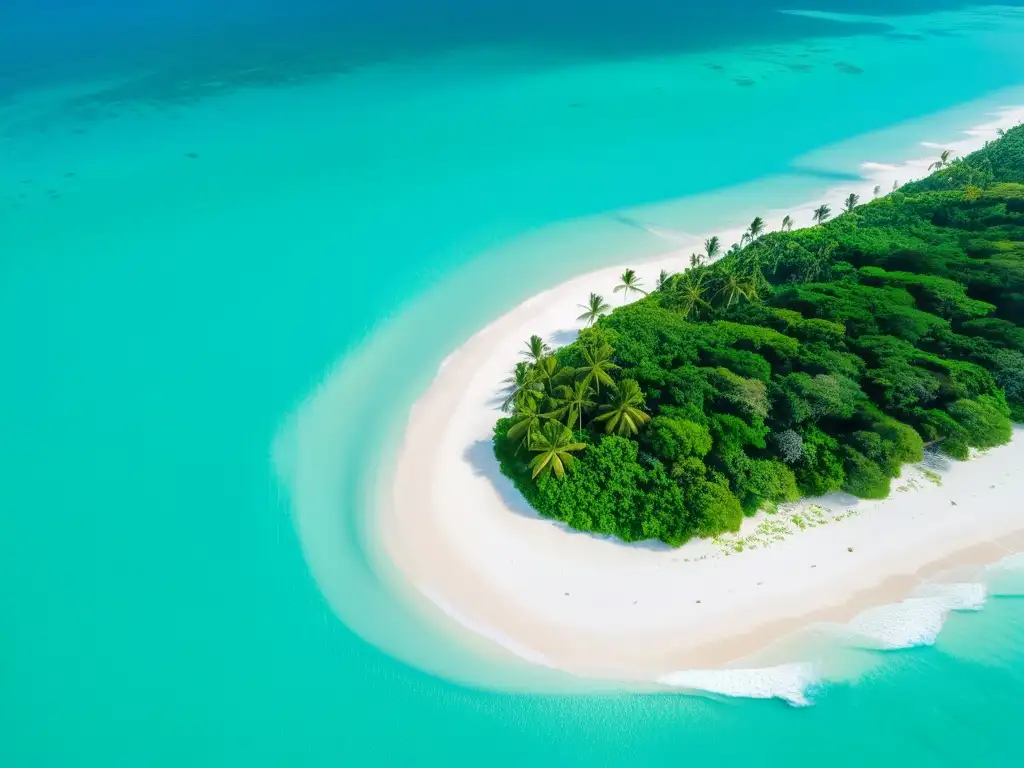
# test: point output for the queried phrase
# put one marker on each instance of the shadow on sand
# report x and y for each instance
(480, 456)
(561, 338)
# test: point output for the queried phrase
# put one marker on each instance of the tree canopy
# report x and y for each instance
(805, 362)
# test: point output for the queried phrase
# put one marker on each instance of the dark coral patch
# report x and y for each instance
(849, 69)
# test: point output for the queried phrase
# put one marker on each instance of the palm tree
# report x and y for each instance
(695, 260)
(851, 202)
(623, 415)
(527, 422)
(812, 268)
(572, 401)
(630, 282)
(597, 366)
(755, 282)
(736, 287)
(535, 348)
(821, 213)
(664, 277)
(712, 247)
(594, 308)
(1000, 132)
(555, 448)
(787, 223)
(734, 248)
(689, 296)
(895, 185)
(549, 374)
(876, 191)
(942, 162)
(521, 387)
(756, 228)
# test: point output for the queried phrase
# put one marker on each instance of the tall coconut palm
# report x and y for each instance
(623, 415)
(851, 202)
(597, 366)
(555, 447)
(695, 260)
(571, 401)
(630, 284)
(942, 162)
(521, 387)
(527, 422)
(664, 279)
(756, 228)
(787, 223)
(712, 248)
(876, 191)
(821, 214)
(595, 307)
(536, 348)
(688, 298)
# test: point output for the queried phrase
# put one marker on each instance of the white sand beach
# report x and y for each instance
(477, 557)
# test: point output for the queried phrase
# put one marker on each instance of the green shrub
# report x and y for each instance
(805, 363)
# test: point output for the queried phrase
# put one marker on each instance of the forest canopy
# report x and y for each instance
(799, 363)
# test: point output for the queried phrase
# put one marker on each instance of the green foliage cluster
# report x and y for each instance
(799, 363)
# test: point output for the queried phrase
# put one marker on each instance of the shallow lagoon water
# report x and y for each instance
(181, 267)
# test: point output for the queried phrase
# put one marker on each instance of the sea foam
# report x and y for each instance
(789, 682)
(916, 620)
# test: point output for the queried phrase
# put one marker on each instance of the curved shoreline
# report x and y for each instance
(473, 550)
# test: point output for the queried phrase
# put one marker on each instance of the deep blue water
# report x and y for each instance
(49, 39)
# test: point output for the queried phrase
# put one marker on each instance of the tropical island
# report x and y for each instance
(799, 363)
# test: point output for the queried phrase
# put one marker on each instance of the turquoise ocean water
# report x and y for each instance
(199, 230)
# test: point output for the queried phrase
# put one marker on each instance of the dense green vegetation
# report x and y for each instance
(799, 363)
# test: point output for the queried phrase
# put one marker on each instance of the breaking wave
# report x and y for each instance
(914, 622)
